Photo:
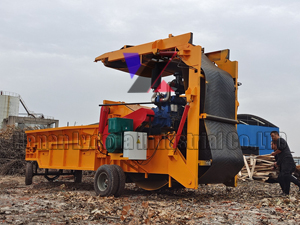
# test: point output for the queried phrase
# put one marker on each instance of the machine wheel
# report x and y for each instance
(121, 181)
(52, 178)
(106, 180)
(28, 173)
(78, 176)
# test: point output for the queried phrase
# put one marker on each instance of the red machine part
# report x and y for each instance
(182, 122)
(103, 118)
(139, 116)
(171, 54)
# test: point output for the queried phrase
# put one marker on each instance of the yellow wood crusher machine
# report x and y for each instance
(188, 137)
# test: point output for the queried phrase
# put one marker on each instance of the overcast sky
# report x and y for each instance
(47, 52)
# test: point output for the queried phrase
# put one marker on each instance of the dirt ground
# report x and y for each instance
(64, 202)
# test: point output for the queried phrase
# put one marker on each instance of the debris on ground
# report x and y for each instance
(64, 202)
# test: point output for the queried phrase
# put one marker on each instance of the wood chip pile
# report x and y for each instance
(12, 151)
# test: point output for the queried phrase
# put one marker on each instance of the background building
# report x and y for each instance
(254, 134)
(9, 113)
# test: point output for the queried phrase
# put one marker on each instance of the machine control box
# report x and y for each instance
(135, 145)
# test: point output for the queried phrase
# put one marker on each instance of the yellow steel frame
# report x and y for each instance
(80, 152)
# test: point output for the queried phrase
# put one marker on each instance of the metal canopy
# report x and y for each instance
(149, 55)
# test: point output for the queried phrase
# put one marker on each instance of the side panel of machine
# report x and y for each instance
(75, 148)
(63, 148)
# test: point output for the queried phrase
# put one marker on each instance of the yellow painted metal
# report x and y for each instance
(151, 47)
(65, 148)
(235, 181)
(76, 148)
(204, 162)
(117, 156)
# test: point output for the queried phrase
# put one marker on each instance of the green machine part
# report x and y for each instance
(116, 127)
(113, 143)
(119, 125)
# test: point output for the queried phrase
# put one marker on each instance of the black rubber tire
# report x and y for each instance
(121, 183)
(78, 176)
(28, 173)
(106, 180)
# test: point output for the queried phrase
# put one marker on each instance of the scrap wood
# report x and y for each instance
(265, 161)
(247, 167)
(258, 167)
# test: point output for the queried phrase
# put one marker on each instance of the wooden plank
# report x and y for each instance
(247, 167)
(265, 161)
(253, 167)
